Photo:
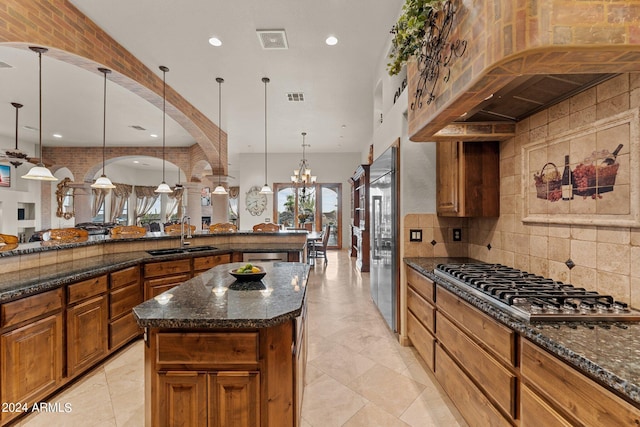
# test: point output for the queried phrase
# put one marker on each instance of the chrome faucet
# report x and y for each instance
(186, 218)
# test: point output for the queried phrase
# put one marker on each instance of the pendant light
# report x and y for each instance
(265, 188)
(219, 189)
(16, 156)
(40, 172)
(163, 187)
(103, 181)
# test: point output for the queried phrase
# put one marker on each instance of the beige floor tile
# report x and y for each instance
(387, 388)
(328, 403)
(342, 364)
(373, 416)
(431, 409)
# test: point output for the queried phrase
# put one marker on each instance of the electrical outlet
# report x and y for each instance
(457, 234)
(415, 235)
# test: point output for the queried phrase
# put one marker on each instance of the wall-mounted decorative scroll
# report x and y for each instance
(588, 175)
(436, 54)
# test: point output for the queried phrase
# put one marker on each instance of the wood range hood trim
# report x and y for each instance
(509, 45)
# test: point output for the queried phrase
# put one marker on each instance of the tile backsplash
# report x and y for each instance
(605, 258)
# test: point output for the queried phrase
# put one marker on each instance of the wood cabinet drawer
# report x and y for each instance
(536, 412)
(122, 330)
(124, 277)
(166, 268)
(30, 307)
(496, 338)
(207, 262)
(423, 286)
(423, 311)
(124, 299)
(422, 339)
(86, 289)
(494, 378)
(582, 398)
(476, 409)
(154, 287)
(221, 348)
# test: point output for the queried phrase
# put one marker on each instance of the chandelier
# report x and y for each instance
(302, 175)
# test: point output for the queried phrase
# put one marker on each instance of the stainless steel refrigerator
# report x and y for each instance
(383, 218)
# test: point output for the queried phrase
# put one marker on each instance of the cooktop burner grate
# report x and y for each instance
(534, 298)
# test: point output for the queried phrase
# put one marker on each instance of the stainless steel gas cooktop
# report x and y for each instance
(534, 298)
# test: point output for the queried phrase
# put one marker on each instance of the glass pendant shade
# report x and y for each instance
(163, 188)
(103, 181)
(219, 189)
(40, 172)
(265, 188)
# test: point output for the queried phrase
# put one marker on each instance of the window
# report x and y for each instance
(311, 207)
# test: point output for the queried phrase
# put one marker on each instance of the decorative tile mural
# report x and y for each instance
(589, 175)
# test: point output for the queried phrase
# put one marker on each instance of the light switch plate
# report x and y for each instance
(457, 234)
(415, 235)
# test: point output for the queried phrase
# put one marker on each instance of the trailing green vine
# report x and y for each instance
(409, 32)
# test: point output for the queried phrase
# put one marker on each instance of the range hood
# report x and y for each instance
(528, 94)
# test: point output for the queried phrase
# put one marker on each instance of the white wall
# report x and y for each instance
(329, 168)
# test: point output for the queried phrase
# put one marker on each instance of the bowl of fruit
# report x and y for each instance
(248, 273)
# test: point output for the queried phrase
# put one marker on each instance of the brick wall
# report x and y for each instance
(511, 37)
(74, 38)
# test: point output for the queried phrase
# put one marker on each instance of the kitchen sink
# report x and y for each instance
(185, 250)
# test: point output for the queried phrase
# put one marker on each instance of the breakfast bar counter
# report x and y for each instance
(224, 352)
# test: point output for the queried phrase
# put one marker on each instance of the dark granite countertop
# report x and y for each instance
(215, 300)
(18, 284)
(608, 352)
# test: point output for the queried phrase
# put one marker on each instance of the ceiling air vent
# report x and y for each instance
(272, 39)
(137, 127)
(295, 96)
(4, 65)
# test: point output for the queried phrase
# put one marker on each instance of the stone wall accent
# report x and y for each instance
(508, 38)
(74, 38)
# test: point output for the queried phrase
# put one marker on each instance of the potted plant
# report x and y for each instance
(410, 30)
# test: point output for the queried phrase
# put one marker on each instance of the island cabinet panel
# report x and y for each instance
(234, 399)
(497, 382)
(535, 412)
(580, 400)
(32, 362)
(496, 338)
(182, 398)
(126, 292)
(474, 406)
(87, 334)
(202, 264)
(207, 349)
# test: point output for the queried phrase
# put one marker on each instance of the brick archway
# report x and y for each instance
(75, 39)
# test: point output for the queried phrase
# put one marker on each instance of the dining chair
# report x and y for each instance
(8, 239)
(266, 227)
(320, 251)
(128, 231)
(67, 235)
(223, 227)
(175, 228)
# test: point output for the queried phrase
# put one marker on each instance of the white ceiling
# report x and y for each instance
(337, 81)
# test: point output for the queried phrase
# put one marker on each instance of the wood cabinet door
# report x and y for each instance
(154, 287)
(234, 399)
(87, 333)
(31, 361)
(447, 178)
(182, 400)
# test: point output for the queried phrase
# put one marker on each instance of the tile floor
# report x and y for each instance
(357, 373)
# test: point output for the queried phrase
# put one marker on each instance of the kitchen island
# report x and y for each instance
(221, 352)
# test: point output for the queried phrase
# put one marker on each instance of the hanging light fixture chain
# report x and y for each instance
(265, 80)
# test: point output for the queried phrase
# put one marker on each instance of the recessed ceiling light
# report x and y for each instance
(214, 41)
(153, 135)
(331, 41)
(57, 135)
(136, 162)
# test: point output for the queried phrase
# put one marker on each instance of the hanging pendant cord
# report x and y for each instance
(265, 80)
(219, 80)
(164, 114)
(40, 103)
(104, 118)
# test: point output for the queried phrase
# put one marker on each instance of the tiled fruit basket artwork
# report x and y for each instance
(548, 183)
(596, 174)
